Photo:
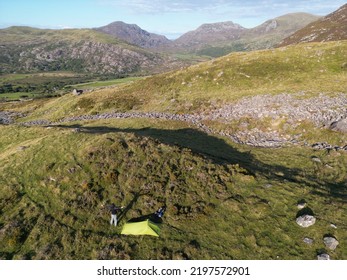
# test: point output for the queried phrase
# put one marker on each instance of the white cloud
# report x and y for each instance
(60, 26)
(168, 6)
(179, 6)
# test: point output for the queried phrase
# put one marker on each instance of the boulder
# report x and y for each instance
(340, 125)
(323, 256)
(77, 91)
(308, 240)
(306, 220)
(330, 242)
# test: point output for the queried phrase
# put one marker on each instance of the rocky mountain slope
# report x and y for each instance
(120, 49)
(213, 39)
(333, 27)
(222, 38)
(209, 33)
(26, 49)
(133, 34)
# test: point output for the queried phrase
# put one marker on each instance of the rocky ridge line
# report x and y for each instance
(321, 110)
(291, 110)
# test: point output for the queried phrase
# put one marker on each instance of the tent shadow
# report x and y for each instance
(152, 217)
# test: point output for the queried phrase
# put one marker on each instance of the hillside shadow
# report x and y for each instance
(220, 152)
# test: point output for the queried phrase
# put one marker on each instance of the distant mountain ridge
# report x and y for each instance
(26, 49)
(120, 49)
(211, 32)
(222, 38)
(213, 39)
(332, 27)
(133, 34)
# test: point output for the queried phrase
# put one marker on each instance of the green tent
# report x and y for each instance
(140, 228)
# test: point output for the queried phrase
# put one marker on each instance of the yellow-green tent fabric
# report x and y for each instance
(141, 228)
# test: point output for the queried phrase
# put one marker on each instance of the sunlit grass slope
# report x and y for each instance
(224, 201)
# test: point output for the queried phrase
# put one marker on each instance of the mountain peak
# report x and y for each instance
(286, 24)
(220, 26)
(133, 34)
(211, 32)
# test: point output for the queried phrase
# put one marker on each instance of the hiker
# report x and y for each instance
(114, 209)
(160, 212)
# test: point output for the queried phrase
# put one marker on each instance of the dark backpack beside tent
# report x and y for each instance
(160, 212)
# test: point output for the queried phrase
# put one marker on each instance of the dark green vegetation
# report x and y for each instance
(50, 84)
(225, 201)
(14, 86)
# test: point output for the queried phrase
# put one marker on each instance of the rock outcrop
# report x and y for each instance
(340, 125)
(9, 117)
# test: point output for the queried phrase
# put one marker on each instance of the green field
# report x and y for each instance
(46, 84)
(17, 95)
(15, 86)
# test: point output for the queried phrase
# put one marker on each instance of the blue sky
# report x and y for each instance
(167, 17)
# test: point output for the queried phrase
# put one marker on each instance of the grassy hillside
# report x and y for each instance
(22, 34)
(332, 27)
(225, 200)
(219, 207)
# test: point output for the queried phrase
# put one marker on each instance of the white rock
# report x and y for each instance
(324, 257)
(308, 240)
(330, 242)
(306, 220)
(316, 159)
